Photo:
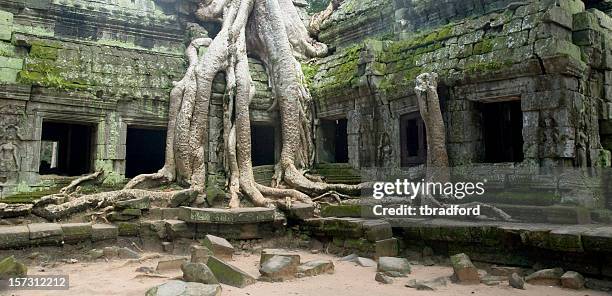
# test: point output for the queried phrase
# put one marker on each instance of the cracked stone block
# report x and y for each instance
(219, 246)
(213, 215)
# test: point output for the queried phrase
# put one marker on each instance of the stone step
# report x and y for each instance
(56, 234)
(226, 216)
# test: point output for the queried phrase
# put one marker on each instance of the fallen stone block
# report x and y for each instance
(229, 274)
(198, 272)
(572, 280)
(14, 237)
(516, 281)
(546, 277)
(316, 267)
(219, 246)
(349, 258)
(200, 254)
(505, 270)
(493, 280)
(76, 232)
(10, 267)
(464, 270)
(278, 269)
(100, 232)
(365, 262)
(111, 252)
(178, 288)
(393, 264)
(45, 234)
(382, 278)
(170, 264)
(95, 254)
(429, 285)
(386, 248)
(266, 254)
(127, 253)
(176, 229)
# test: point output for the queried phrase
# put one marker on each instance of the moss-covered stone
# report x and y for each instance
(229, 274)
(10, 267)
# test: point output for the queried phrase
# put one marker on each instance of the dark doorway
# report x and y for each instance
(333, 144)
(145, 151)
(66, 148)
(262, 144)
(413, 140)
(502, 124)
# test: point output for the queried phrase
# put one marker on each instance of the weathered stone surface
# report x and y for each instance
(382, 278)
(170, 264)
(176, 229)
(76, 232)
(464, 270)
(128, 228)
(137, 203)
(316, 267)
(349, 258)
(45, 233)
(95, 253)
(278, 268)
(266, 254)
(14, 236)
(14, 210)
(180, 288)
(546, 277)
(200, 254)
(220, 247)
(572, 280)
(198, 272)
(127, 253)
(516, 281)
(229, 274)
(504, 270)
(429, 285)
(10, 267)
(386, 248)
(214, 215)
(101, 232)
(393, 264)
(493, 280)
(598, 239)
(300, 211)
(111, 252)
(365, 262)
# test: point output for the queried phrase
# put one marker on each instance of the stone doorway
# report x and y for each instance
(67, 149)
(502, 127)
(263, 144)
(145, 151)
(333, 141)
(413, 140)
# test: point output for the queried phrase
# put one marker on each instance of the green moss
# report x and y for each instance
(484, 46)
(43, 52)
(309, 70)
(345, 74)
(487, 67)
(341, 211)
(30, 196)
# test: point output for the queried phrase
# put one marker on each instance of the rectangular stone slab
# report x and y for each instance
(104, 232)
(76, 232)
(45, 233)
(14, 237)
(212, 215)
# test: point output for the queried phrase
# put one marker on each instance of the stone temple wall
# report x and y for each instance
(551, 55)
(107, 64)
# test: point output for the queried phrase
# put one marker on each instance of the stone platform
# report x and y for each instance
(585, 248)
(226, 216)
(54, 234)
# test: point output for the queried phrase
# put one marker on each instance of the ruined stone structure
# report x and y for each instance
(522, 85)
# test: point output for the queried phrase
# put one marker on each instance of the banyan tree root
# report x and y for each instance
(91, 178)
(272, 31)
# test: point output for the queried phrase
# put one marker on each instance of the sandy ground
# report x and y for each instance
(117, 278)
